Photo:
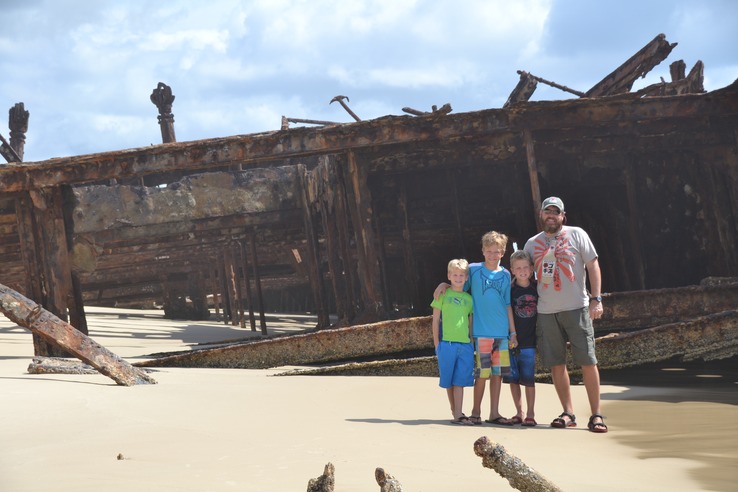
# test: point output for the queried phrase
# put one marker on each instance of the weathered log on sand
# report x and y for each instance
(324, 483)
(321, 346)
(521, 476)
(26, 313)
(386, 482)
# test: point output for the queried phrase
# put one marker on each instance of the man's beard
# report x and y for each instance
(551, 228)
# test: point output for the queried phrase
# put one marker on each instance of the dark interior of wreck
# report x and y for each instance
(357, 221)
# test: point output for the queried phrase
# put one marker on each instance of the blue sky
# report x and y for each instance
(85, 68)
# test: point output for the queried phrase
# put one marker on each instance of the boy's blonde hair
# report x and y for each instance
(494, 238)
(521, 255)
(459, 264)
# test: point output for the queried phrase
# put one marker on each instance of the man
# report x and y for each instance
(565, 310)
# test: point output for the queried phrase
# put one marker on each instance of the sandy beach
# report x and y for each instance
(226, 429)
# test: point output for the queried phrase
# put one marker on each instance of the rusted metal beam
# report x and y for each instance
(622, 78)
(341, 101)
(362, 213)
(8, 152)
(535, 190)
(518, 474)
(265, 148)
(26, 313)
(525, 87)
(247, 282)
(286, 122)
(257, 283)
(315, 276)
(523, 91)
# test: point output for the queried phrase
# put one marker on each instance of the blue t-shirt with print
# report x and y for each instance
(490, 292)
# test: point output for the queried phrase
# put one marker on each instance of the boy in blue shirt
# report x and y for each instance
(489, 285)
(453, 343)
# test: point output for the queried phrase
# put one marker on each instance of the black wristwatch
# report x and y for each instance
(598, 298)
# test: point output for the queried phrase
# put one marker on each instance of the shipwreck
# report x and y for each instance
(356, 221)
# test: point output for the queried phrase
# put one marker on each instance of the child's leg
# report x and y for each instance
(517, 398)
(458, 401)
(530, 401)
(495, 386)
(479, 385)
(527, 361)
(482, 365)
(450, 393)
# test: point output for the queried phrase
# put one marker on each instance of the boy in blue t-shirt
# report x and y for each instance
(453, 343)
(489, 285)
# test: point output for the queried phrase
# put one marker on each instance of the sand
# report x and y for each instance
(225, 429)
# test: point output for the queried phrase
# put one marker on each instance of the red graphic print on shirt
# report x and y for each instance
(564, 258)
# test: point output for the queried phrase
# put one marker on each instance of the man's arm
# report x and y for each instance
(440, 290)
(595, 285)
(436, 325)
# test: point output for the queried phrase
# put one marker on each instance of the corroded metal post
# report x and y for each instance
(18, 123)
(163, 98)
(520, 475)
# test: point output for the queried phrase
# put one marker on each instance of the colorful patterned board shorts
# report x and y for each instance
(492, 357)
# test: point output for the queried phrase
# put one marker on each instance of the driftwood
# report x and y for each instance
(26, 313)
(521, 476)
(324, 483)
(386, 482)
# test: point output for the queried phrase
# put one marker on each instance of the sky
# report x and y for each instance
(85, 69)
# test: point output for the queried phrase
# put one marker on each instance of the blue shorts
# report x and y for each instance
(522, 367)
(455, 364)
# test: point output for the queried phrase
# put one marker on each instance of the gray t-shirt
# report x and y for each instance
(573, 249)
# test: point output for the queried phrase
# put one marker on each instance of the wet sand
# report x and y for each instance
(225, 429)
(685, 411)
